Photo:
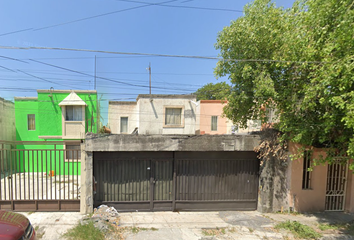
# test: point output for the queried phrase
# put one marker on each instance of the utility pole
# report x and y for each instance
(150, 77)
(95, 72)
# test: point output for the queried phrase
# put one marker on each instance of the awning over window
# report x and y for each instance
(72, 100)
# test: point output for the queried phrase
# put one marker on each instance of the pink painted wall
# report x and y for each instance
(209, 108)
(313, 200)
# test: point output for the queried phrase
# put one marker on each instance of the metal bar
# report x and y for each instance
(8, 154)
(3, 170)
(46, 175)
(346, 169)
(42, 172)
(151, 187)
(126, 179)
(19, 166)
(28, 171)
(69, 172)
(111, 180)
(55, 171)
(174, 183)
(51, 173)
(32, 174)
(15, 161)
(139, 179)
(37, 175)
(77, 175)
(60, 170)
(24, 173)
(72, 172)
(11, 180)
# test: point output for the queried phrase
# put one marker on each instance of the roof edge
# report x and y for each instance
(25, 98)
(122, 102)
(65, 91)
(213, 101)
(175, 96)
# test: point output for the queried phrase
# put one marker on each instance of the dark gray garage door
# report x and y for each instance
(163, 181)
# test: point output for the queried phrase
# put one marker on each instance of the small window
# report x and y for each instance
(73, 151)
(173, 116)
(123, 124)
(214, 123)
(31, 122)
(306, 173)
(73, 113)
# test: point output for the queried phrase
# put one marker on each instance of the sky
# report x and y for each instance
(165, 27)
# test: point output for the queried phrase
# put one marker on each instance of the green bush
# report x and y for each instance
(299, 230)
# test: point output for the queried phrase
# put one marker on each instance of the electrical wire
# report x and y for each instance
(160, 55)
(187, 7)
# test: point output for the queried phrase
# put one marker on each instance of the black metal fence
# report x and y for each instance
(39, 177)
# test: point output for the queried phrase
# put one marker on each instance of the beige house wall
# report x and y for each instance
(152, 115)
(116, 110)
(148, 114)
(313, 200)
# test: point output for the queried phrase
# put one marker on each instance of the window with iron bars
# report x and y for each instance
(306, 171)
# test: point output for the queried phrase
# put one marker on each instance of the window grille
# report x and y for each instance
(306, 173)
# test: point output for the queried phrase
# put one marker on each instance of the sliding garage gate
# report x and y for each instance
(172, 181)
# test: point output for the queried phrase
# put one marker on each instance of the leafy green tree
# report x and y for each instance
(210, 91)
(299, 60)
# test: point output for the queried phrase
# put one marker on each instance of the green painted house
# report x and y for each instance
(61, 117)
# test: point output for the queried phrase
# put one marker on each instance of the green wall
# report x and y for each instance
(22, 108)
(48, 117)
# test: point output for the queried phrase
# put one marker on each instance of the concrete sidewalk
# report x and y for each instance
(235, 225)
(51, 225)
(194, 225)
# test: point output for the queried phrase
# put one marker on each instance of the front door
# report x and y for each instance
(336, 186)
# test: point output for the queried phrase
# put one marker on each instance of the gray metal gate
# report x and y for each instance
(165, 181)
(44, 179)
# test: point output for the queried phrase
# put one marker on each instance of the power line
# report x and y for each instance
(158, 55)
(100, 15)
(187, 7)
(7, 69)
(104, 78)
(109, 72)
(162, 4)
(14, 59)
(43, 79)
(86, 18)
(23, 30)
